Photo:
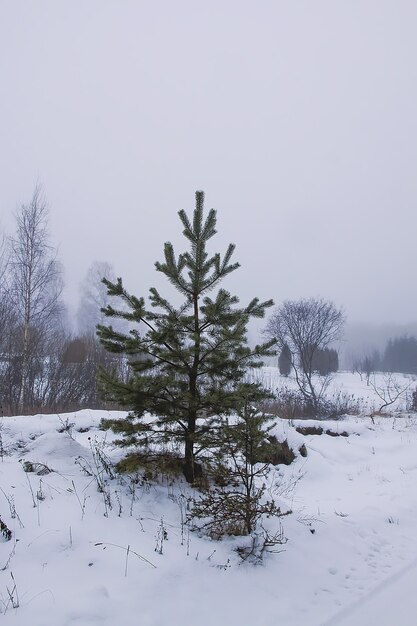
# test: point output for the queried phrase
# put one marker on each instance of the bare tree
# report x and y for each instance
(67, 379)
(35, 288)
(4, 300)
(94, 299)
(6, 325)
(368, 364)
(94, 296)
(389, 389)
(306, 326)
(3, 260)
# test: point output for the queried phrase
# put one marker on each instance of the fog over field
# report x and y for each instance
(296, 118)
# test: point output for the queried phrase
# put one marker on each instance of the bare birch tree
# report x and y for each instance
(35, 287)
(6, 319)
(4, 300)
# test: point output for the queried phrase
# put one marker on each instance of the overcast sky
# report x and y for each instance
(297, 118)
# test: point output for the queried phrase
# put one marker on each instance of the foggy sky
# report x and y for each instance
(297, 118)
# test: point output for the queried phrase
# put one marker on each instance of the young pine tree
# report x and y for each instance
(187, 367)
(237, 506)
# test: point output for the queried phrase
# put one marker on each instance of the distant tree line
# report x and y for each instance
(399, 355)
(324, 361)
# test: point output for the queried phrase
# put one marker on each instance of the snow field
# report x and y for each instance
(350, 555)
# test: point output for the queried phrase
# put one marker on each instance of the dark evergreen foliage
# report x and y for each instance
(5, 531)
(325, 361)
(401, 355)
(413, 405)
(187, 363)
(235, 507)
(285, 361)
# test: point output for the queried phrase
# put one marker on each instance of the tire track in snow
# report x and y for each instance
(365, 610)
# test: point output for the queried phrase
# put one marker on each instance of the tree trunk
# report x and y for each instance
(24, 370)
(192, 470)
(189, 471)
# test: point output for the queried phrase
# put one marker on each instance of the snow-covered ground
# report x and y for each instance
(350, 556)
(379, 389)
